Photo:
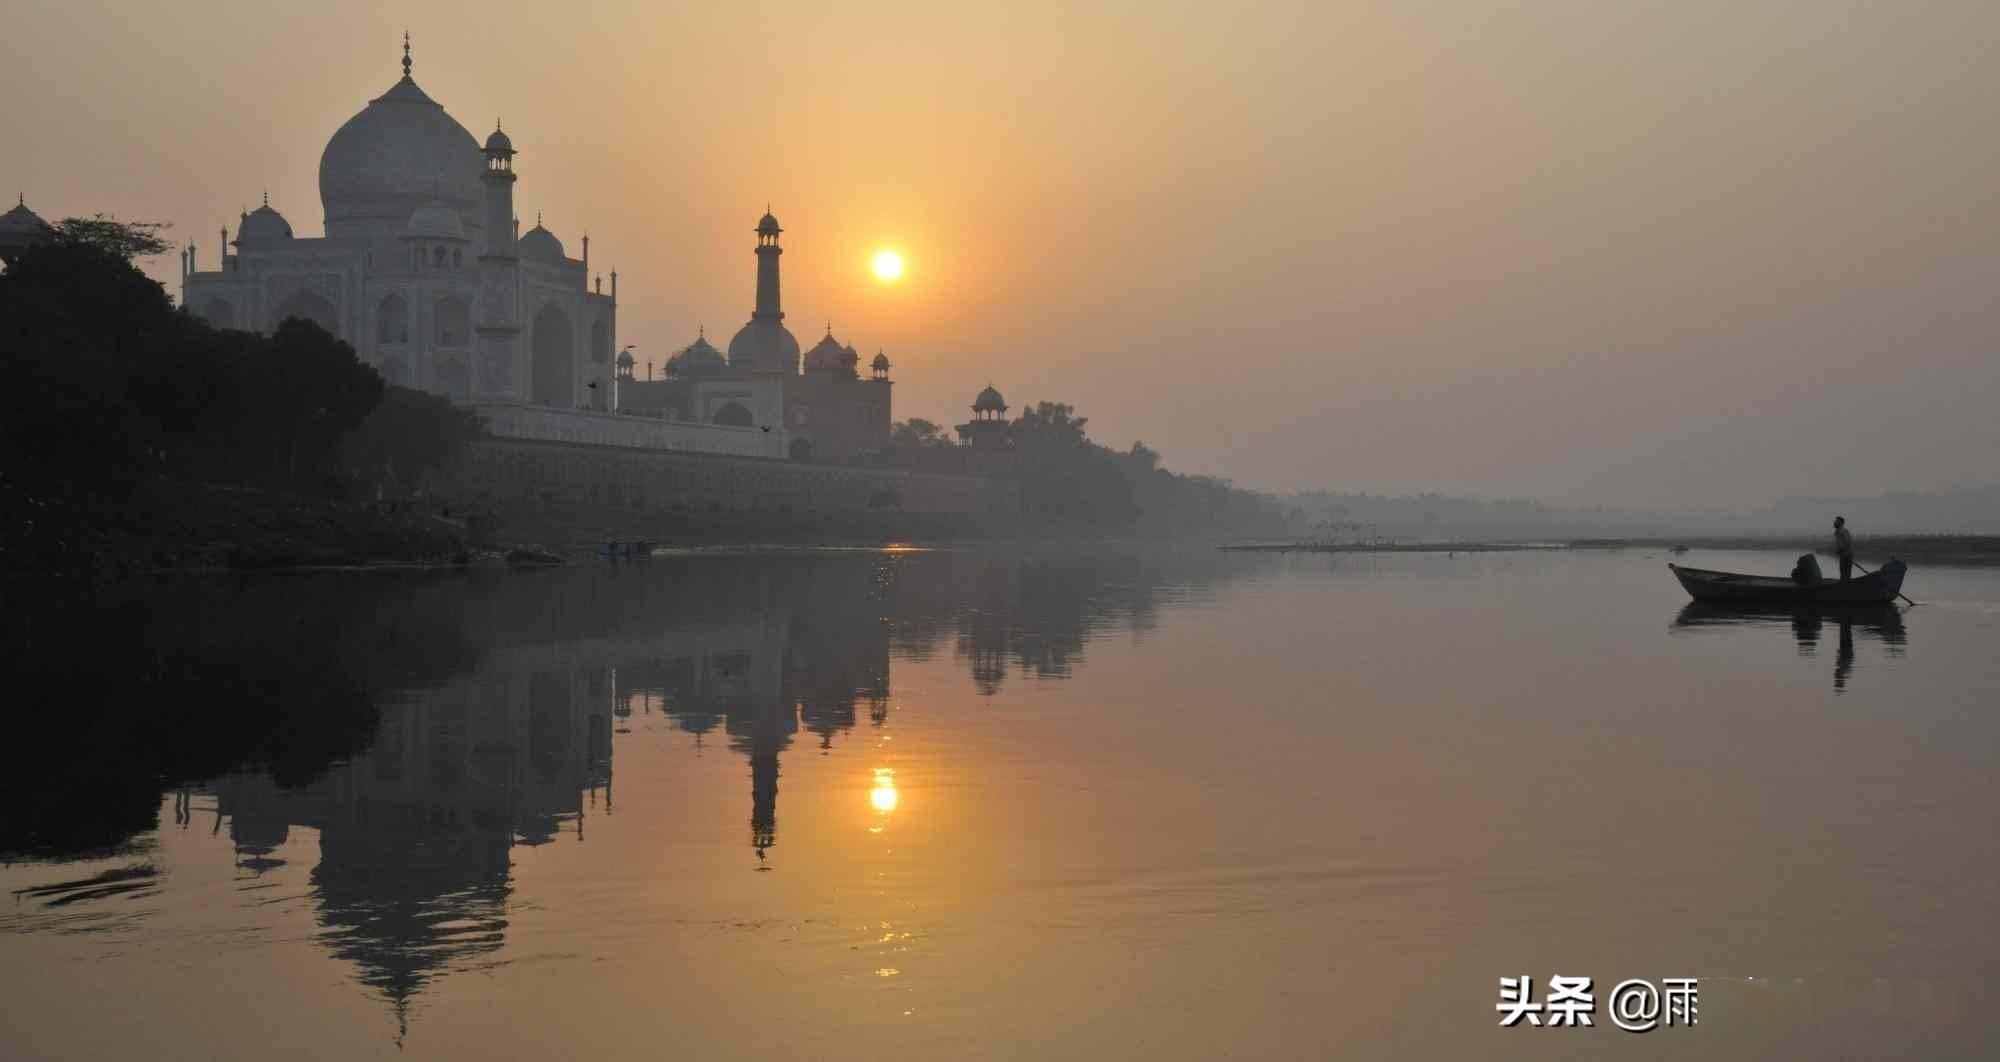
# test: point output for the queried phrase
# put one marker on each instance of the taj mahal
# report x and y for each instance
(423, 269)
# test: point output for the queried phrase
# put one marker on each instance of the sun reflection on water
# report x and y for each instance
(883, 795)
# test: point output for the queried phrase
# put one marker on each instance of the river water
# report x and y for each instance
(1058, 803)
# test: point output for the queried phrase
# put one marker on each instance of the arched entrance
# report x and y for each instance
(307, 306)
(553, 374)
(801, 449)
(732, 415)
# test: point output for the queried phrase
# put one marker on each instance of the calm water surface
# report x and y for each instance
(972, 804)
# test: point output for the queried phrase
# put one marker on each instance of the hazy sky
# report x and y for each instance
(1657, 253)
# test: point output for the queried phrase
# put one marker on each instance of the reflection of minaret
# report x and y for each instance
(801, 648)
(763, 750)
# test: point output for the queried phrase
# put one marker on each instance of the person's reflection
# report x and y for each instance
(1807, 626)
(1843, 659)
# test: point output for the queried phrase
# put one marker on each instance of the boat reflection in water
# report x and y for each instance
(1883, 623)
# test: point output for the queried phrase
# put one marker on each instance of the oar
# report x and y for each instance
(1899, 593)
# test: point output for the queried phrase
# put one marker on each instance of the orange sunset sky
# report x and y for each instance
(1684, 252)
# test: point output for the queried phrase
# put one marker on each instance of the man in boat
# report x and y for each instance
(1843, 547)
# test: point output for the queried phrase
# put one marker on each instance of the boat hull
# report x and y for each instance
(1876, 588)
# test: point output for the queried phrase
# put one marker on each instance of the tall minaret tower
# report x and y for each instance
(767, 270)
(499, 325)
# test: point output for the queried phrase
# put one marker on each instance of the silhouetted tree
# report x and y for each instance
(126, 239)
(105, 387)
(917, 433)
(409, 434)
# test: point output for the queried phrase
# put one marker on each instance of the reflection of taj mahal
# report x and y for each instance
(424, 271)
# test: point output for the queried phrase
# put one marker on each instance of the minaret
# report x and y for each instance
(499, 324)
(499, 182)
(767, 270)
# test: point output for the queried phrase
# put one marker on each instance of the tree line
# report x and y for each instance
(110, 390)
(1071, 482)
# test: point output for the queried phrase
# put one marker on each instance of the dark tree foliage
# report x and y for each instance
(82, 335)
(108, 389)
(126, 239)
(917, 433)
(409, 434)
(1069, 481)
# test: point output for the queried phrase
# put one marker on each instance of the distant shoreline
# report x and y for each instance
(1934, 549)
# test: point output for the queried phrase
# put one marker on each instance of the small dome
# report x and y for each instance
(624, 359)
(435, 221)
(765, 345)
(827, 355)
(881, 361)
(262, 227)
(989, 399)
(768, 225)
(498, 143)
(540, 245)
(699, 359)
(21, 227)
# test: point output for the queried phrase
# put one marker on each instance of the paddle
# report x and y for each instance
(1899, 593)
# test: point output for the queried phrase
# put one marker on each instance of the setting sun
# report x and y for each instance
(888, 266)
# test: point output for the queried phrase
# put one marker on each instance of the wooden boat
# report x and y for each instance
(1876, 588)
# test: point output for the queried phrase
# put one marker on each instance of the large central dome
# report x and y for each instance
(400, 153)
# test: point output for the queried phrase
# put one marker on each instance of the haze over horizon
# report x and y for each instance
(1646, 254)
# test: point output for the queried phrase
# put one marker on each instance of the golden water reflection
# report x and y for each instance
(466, 858)
(883, 795)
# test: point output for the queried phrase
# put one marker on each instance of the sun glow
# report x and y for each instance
(888, 266)
(883, 796)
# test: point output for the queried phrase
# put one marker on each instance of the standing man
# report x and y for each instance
(1843, 547)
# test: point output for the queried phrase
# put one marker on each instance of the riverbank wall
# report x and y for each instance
(558, 490)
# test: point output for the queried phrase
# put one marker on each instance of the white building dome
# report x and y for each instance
(435, 221)
(540, 245)
(400, 153)
(262, 227)
(20, 228)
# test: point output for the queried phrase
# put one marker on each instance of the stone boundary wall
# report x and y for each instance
(594, 427)
(558, 475)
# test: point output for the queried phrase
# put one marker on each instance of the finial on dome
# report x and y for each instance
(538, 219)
(496, 125)
(406, 53)
(267, 197)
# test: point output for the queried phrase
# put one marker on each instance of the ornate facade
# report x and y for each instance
(821, 405)
(420, 268)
